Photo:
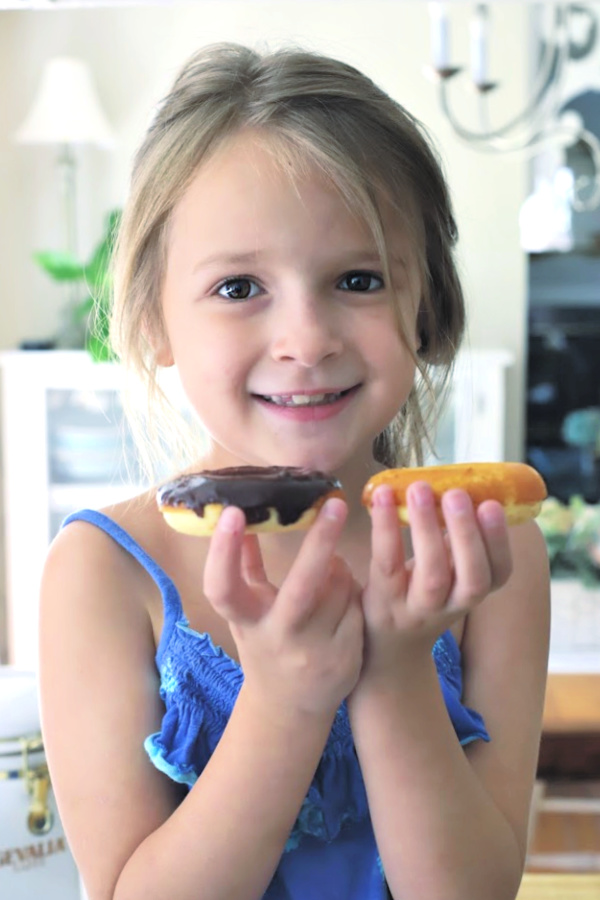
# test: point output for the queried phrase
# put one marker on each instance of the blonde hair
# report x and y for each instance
(328, 114)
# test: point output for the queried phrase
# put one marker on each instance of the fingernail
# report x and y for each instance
(384, 496)
(492, 515)
(421, 494)
(456, 503)
(229, 520)
(334, 509)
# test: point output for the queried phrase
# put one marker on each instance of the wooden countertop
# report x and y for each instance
(559, 887)
(572, 704)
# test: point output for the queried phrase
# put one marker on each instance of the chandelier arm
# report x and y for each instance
(560, 41)
(533, 144)
(531, 147)
(563, 51)
(538, 124)
(476, 137)
(552, 69)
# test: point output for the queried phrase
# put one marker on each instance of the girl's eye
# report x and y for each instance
(237, 289)
(361, 281)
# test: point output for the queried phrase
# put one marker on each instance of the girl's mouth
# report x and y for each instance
(293, 401)
(307, 407)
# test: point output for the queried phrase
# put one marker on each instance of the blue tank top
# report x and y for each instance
(331, 851)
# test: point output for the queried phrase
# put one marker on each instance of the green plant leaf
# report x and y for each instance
(92, 310)
(60, 266)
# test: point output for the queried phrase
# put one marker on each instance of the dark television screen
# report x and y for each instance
(563, 399)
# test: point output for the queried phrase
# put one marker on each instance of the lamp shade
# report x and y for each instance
(66, 109)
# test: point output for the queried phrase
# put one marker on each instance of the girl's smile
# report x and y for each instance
(278, 315)
(308, 406)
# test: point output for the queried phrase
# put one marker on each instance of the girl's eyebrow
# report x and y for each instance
(239, 259)
(229, 259)
(375, 259)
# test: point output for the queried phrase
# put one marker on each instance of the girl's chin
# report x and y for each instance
(332, 459)
(332, 463)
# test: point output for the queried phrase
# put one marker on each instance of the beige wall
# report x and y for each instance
(134, 53)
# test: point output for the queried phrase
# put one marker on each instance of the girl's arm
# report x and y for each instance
(132, 832)
(450, 821)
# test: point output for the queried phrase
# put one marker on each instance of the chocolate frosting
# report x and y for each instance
(254, 489)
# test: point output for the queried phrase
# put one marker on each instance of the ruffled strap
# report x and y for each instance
(199, 686)
(468, 723)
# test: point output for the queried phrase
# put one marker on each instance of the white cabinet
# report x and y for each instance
(65, 445)
(473, 425)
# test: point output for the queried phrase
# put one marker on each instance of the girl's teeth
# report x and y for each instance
(307, 399)
(303, 399)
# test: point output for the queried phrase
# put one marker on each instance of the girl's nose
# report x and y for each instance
(306, 333)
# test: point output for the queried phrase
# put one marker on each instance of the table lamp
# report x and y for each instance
(66, 112)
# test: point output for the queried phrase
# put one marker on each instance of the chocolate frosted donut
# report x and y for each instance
(272, 498)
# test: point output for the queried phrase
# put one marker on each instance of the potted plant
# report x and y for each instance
(572, 534)
(89, 315)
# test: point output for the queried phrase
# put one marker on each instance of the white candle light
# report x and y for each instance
(440, 36)
(479, 44)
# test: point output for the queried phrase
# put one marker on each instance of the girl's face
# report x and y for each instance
(278, 316)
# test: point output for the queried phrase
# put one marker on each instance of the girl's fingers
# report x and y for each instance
(431, 578)
(223, 583)
(387, 550)
(253, 568)
(310, 570)
(472, 571)
(330, 604)
(346, 628)
(494, 531)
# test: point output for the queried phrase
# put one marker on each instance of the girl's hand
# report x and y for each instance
(408, 604)
(300, 647)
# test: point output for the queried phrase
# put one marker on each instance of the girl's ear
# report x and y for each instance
(163, 354)
(160, 344)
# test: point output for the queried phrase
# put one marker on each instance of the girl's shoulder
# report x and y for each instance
(82, 551)
(115, 536)
(149, 564)
(116, 555)
(135, 525)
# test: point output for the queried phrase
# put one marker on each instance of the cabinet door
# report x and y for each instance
(91, 458)
(65, 446)
(26, 523)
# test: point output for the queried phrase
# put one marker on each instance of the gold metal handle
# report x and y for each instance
(40, 819)
(37, 779)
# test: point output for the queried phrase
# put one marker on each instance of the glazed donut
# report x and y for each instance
(518, 487)
(273, 498)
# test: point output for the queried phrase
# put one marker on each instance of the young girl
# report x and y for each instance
(328, 714)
